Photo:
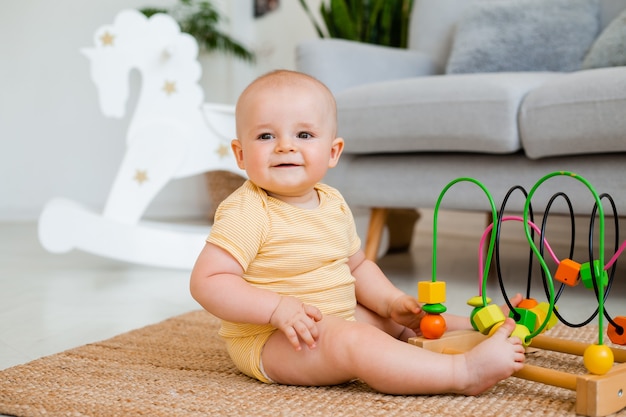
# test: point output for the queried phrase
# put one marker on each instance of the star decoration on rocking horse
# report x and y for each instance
(107, 39)
(141, 176)
(222, 150)
(169, 87)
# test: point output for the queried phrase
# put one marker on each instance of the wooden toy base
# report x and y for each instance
(596, 395)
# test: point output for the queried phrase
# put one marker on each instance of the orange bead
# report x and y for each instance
(527, 303)
(433, 326)
(619, 339)
(568, 272)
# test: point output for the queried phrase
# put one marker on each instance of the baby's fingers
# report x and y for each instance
(313, 312)
(308, 333)
(292, 337)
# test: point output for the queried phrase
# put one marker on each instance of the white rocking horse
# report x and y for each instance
(173, 134)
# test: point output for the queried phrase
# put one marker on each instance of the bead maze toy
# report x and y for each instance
(599, 392)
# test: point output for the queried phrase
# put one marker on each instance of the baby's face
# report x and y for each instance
(287, 137)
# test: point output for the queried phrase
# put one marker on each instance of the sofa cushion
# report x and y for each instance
(580, 113)
(432, 27)
(465, 112)
(609, 50)
(524, 35)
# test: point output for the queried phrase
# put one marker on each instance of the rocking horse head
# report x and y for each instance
(153, 46)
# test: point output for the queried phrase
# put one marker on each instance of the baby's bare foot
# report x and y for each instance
(493, 360)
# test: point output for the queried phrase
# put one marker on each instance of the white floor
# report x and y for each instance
(51, 302)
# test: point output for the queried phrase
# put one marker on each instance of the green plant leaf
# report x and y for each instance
(201, 19)
(307, 10)
(383, 22)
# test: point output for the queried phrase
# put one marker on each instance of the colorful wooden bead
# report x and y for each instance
(434, 308)
(585, 274)
(486, 317)
(598, 359)
(527, 303)
(472, 314)
(526, 318)
(477, 301)
(568, 272)
(494, 328)
(433, 326)
(619, 339)
(541, 310)
(431, 292)
(522, 332)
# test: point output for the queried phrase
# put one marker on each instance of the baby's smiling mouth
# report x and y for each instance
(286, 165)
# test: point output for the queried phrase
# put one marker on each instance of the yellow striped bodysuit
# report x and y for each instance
(290, 250)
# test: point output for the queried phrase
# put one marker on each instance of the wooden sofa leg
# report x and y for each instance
(378, 218)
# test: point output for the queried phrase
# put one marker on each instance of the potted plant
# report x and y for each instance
(381, 22)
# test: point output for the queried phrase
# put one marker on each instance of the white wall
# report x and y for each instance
(54, 142)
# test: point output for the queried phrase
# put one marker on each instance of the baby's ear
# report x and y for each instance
(235, 145)
(335, 152)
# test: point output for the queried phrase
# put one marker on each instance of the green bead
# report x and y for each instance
(472, 314)
(434, 308)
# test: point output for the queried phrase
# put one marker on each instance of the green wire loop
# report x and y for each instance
(492, 240)
(544, 266)
(533, 247)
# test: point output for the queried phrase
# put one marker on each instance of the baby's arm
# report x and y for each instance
(375, 292)
(217, 284)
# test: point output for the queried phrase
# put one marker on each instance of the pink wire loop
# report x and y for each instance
(481, 251)
(618, 252)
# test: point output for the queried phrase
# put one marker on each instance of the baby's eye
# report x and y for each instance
(305, 135)
(265, 136)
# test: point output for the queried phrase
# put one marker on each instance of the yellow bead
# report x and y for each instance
(477, 301)
(541, 317)
(487, 317)
(545, 306)
(431, 292)
(495, 328)
(522, 332)
(598, 359)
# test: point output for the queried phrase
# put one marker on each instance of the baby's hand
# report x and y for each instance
(407, 311)
(297, 321)
(515, 300)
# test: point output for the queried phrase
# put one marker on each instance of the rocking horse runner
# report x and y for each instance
(172, 134)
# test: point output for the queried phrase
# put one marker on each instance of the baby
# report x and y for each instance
(284, 270)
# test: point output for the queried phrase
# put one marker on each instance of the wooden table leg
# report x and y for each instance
(378, 217)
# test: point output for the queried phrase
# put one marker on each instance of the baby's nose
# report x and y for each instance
(285, 144)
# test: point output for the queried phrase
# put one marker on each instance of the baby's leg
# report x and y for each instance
(348, 350)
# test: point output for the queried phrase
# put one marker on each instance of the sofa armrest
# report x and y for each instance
(341, 64)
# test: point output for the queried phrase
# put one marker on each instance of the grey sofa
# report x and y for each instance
(503, 91)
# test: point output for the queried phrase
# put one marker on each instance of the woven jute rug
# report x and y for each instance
(180, 367)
